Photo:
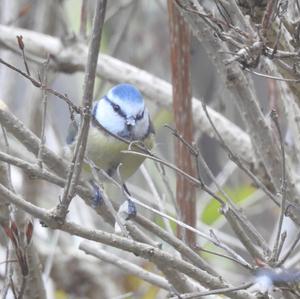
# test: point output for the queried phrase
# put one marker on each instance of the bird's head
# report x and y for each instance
(122, 111)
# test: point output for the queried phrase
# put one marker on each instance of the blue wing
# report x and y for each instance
(75, 124)
(73, 130)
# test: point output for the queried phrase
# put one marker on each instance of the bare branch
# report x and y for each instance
(71, 59)
(153, 254)
(77, 161)
(44, 115)
(126, 266)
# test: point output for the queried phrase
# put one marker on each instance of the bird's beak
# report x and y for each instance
(130, 122)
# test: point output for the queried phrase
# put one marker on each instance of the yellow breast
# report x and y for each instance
(106, 152)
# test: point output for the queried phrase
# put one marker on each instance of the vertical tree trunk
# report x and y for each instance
(182, 108)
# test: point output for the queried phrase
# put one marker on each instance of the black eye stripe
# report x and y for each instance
(116, 107)
(140, 115)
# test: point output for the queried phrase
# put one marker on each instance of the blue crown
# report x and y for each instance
(126, 92)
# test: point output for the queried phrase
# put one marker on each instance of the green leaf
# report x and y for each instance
(211, 212)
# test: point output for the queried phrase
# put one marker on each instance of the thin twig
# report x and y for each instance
(241, 225)
(298, 5)
(265, 24)
(95, 172)
(177, 170)
(210, 19)
(12, 286)
(6, 142)
(282, 239)
(22, 47)
(238, 161)
(223, 12)
(289, 251)
(44, 114)
(149, 252)
(125, 265)
(272, 77)
(233, 259)
(213, 239)
(178, 244)
(83, 18)
(7, 273)
(39, 84)
(275, 46)
(124, 296)
(169, 165)
(276, 251)
(166, 180)
(215, 292)
(114, 70)
(243, 228)
(157, 197)
(23, 287)
(77, 161)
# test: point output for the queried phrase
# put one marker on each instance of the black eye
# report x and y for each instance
(116, 107)
(140, 115)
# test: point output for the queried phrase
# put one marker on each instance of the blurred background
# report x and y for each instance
(135, 32)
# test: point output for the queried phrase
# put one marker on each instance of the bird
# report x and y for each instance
(121, 114)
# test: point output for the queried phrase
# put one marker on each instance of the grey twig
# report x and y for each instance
(7, 149)
(109, 205)
(14, 126)
(44, 113)
(194, 180)
(235, 158)
(230, 258)
(276, 249)
(153, 254)
(266, 21)
(240, 224)
(83, 18)
(38, 84)
(272, 77)
(34, 171)
(77, 161)
(289, 251)
(125, 265)
(55, 163)
(211, 239)
(215, 292)
(184, 225)
(244, 228)
(22, 47)
(180, 246)
(68, 60)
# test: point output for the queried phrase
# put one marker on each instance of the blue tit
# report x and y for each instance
(123, 113)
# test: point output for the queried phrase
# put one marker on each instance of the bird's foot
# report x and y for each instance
(131, 209)
(127, 210)
(97, 199)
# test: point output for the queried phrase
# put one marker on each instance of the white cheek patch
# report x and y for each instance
(108, 118)
(115, 123)
(141, 128)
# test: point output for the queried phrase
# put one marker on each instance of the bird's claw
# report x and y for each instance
(131, 209)
(97, 199)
